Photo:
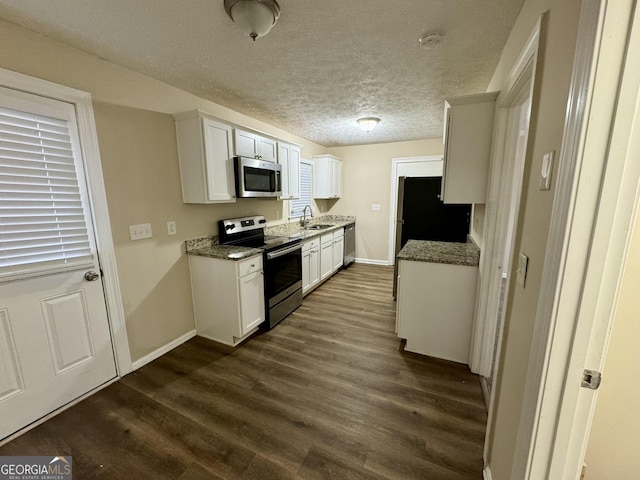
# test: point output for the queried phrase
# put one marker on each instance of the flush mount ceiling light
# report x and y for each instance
(254, 17)
(368, 123)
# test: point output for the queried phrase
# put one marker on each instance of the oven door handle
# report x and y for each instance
(284, 251)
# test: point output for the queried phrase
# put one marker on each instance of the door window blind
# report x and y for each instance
(296, 207)
(42, 217)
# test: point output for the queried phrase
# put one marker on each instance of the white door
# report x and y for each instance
(55, 343)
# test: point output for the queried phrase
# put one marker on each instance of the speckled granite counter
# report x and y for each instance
(295, 230)
(210, 247)
(467, 254)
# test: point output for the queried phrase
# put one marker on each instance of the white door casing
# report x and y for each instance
(602, 147)
(430, 166)
(55, 304)
(509, 151)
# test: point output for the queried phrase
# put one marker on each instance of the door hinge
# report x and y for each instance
(591, 379)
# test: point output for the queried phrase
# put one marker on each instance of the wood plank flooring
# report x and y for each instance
(327, 394)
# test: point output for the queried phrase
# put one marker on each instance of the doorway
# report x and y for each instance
(427, 166)
(62, 329)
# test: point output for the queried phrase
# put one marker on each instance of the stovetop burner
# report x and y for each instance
(249, 232)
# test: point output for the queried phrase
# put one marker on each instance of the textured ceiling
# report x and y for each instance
(325, 64)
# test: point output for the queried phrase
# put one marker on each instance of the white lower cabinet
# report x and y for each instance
(228, 297)
(338, 249)
(310, 265)
(435, 306)
(326, 256)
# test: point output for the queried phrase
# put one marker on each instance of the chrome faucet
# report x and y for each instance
(304, 222)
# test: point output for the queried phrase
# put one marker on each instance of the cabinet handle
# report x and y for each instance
(253, 265)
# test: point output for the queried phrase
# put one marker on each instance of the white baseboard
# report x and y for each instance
(141, 362)
(371, 262)
(486, 473)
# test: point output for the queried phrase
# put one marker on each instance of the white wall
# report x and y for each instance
(367, 180)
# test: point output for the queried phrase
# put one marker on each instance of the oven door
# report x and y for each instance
(283, 273)
(256, 178)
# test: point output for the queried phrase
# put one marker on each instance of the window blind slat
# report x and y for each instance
(42, 219)
(296, 207)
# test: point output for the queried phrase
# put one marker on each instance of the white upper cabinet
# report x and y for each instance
(468, 133)
(289, 158)
(205, 151)
(327, 176)
(253, 145)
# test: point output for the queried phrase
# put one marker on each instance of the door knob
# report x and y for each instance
(91, 276)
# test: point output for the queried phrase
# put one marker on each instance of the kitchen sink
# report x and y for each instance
(318, 226)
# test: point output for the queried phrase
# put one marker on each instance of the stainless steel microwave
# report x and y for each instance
(257, 178)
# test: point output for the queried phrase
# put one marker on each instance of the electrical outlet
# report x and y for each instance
(171, 228)
(375, 207)
(278, 214)
(140, 231)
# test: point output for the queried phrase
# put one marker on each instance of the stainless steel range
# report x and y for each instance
(282, 264)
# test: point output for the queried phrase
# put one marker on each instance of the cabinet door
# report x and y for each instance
(336, 178)
(284, 152)
(246, 144)
(321, 178)
(326, 260)
(294, 172)
(218, 160)
(266, 149)
(314, 267)
(251, 301)
(468, 136)
(338, 253)
(306, 271)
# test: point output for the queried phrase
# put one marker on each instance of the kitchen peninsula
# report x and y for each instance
(436, 297)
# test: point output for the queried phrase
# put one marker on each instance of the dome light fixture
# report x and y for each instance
(254, 17)
(368, 123)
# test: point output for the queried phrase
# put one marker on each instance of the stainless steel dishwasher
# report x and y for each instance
(349, 244)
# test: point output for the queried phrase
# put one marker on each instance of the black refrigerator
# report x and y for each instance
(421, 215)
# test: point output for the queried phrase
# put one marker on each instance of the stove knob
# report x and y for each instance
(230, 227)
(262, 220)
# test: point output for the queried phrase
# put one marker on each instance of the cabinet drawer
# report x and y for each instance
(250, 265)
(309, 244)
(338, 233)
(326, 237)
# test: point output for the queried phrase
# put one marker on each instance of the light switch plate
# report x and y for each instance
(375, 206)
(171, 228)
(521, 271)
(547, 168)
(140, 231)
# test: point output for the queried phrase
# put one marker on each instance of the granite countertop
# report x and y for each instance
(210, 246)
(295, 230)
(467, 254)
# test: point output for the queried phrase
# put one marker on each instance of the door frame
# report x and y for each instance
(603, 143)
(505, 179)
(393, 202)
(98, 200)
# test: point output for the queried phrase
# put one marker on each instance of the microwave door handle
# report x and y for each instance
(284, 251)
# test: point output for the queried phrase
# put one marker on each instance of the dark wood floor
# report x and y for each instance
(327, 394)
